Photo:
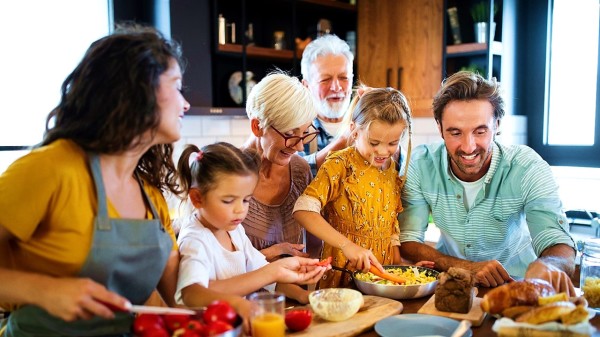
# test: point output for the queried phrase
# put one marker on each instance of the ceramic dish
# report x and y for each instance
(413, 325)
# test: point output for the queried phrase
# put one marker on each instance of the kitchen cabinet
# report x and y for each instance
(216, 41)
(400, 45)
(484, 58)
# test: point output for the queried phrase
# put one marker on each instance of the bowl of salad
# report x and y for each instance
(420, 281)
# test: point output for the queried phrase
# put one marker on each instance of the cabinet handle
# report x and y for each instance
(399, 78)
(388, 77)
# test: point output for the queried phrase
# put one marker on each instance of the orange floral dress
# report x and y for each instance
(361, 202)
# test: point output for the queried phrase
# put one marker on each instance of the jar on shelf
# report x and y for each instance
(279, 40)
(590, 272)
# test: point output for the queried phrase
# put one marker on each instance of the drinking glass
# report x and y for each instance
(267, 318)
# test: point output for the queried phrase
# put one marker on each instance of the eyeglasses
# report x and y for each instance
(291, 141)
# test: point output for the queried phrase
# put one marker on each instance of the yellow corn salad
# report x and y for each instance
(408, 274)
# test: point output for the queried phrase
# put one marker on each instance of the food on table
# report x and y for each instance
(325, 262)
(546, 313)
(534, 301)
(524, 292)
(591, 291)
(336, 304)
(386, 275)
(219, 311)
(455, 291)
(217, 320)
(298, 319)
(407, 274)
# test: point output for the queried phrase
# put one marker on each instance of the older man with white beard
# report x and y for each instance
(327, 71)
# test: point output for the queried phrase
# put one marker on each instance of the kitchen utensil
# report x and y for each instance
(398, 292)
(461, 328)
(413, 325)
(475, 315)
(147, 309)
(375, 309)
(335, 304)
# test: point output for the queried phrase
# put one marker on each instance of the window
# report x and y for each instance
(43, 42)
(570, 132)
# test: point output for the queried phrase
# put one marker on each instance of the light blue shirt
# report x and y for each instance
(516, 215)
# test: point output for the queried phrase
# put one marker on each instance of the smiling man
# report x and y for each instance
(497, 207)
(327, 72)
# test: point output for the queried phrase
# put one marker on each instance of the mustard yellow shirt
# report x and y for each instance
(361, 202)
(48, 202)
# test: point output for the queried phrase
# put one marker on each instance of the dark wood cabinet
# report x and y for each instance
(400, 45)
(212, 62)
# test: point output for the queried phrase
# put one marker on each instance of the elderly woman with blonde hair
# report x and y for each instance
(281, 111)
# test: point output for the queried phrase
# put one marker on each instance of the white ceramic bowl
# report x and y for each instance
(336, 304)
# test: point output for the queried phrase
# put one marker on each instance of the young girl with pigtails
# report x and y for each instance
(219, 180)
(354, 200)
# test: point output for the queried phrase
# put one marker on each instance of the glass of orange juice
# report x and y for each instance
(267, 314)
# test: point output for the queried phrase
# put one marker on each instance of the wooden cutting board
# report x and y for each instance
(475, 315)
(374, 309)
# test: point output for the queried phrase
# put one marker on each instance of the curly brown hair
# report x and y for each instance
(109, 100)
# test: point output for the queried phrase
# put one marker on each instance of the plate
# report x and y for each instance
(413, 325)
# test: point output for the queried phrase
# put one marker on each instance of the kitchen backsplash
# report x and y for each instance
(203, 130)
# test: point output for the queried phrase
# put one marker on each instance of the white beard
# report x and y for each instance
(335, 110)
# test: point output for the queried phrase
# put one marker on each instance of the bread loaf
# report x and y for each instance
(455, 291)
(525, 292)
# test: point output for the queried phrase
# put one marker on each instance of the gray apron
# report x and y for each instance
(128, 257)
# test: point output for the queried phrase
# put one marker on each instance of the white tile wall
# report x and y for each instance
(203, 130)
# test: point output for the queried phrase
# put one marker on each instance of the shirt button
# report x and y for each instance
(458, 196)
(469, 245)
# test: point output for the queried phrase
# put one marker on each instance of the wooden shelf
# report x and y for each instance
(258, 52)
(332, 3)
(464, 49)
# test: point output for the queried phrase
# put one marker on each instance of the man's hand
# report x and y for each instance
(555, 265)
(547, 271)
(488, 273)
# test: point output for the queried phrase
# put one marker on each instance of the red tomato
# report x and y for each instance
(217, 327)
(185, 332)
(156, 333)
(298, 319)
(325, 262)
(219, 311)
(147, 322)
(174, 322)
(195, 325)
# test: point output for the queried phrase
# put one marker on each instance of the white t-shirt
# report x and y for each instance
(204, 259)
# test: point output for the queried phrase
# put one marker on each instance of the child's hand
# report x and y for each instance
(426, 264)
(244, 308)
(298, 270)
(360, 258)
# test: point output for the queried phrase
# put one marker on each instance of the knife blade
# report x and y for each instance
(148, 309)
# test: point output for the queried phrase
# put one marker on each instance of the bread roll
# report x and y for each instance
(547, 313)
(525, 292)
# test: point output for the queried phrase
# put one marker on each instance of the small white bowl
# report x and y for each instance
(335, 304)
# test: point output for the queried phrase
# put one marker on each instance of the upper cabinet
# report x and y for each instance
(231, 44)
(400, 45)
(470, 26)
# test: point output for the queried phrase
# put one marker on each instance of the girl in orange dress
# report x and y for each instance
(353, 202)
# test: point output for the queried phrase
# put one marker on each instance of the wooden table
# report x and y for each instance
(485, 330)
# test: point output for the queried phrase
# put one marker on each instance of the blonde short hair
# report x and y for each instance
(281, 101)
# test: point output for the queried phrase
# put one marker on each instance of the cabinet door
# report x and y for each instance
(420, 47)
(377, 36)
(400, 45)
